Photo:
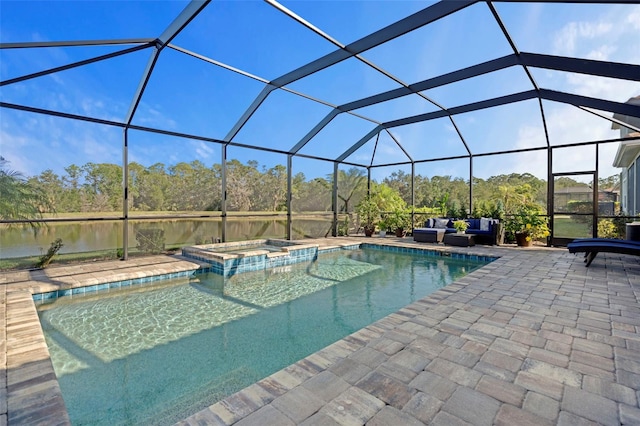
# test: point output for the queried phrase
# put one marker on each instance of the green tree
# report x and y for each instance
(182, 192)
(102, 187)
(401, 183)
(50, 183)
(313, 196)
(273, 189)
(609, 183)
(567, 182)
(242, 182)
(148, 187)
(71, 197)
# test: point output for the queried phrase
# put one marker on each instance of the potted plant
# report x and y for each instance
(399, 221)
(461, 226)
(383, 225)
(368, 214)
(528, 224)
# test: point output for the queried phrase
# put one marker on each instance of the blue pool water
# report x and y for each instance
(157, 353)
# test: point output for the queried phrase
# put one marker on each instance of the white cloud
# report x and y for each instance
(601, 53)
(607, 36)
(203, 150)
(534, 162)
(569, 124)
(600, 87)
(569, 39)
(147, 115)
(530, 136)
(633, 19)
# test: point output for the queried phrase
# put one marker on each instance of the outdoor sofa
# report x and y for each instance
(486, 230)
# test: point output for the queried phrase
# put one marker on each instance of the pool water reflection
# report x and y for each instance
(158, 353)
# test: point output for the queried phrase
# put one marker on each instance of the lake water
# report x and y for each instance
(80, 237)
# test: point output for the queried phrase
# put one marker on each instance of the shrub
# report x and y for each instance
(607, 229)
(53, 250)
(343, 227)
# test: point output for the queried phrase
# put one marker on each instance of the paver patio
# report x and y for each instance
(532, 338)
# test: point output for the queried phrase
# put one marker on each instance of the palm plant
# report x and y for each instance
(19, 200)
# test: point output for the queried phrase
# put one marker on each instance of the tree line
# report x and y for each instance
(97, 187)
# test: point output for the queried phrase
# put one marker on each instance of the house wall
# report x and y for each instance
(624, 191)
(631, 189)
(636, 197)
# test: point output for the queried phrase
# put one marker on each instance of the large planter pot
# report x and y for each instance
(522, 241)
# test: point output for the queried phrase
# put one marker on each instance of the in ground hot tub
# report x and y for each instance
(246, 256)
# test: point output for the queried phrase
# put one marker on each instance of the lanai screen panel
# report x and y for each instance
(496, 176)
(253, 37)
(507, 127)
(78, 164)
(365, 154)
(397, 177)
(282, 121)
(352, 187)
(441, 184)
(78, 167)
(206, 103)
(431, 139)
(87, 91)
(580, 158)
(312, 182)
(312, 214)
(401, 107)
(531, 162)
(611, 89)
(256, 181)
(337, 136)
(169, 175)
(388, 150)
(58, 20)
(346, 81)
(24, 61)
(442, 46)
(349, 21)
(609, 196)
(606, 159)
(486, 86)
(607, 32)
(568, 124)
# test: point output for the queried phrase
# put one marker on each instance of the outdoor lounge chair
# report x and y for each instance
(592, 246)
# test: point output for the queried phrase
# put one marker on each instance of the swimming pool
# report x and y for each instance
(156, 353)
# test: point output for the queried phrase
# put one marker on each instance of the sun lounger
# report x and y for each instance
(592, 246)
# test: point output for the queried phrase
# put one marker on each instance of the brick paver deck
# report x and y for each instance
(532, 338)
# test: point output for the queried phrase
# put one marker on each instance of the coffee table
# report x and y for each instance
(428, 235)
(460, 240)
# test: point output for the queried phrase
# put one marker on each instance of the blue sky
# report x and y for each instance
(188, 95)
